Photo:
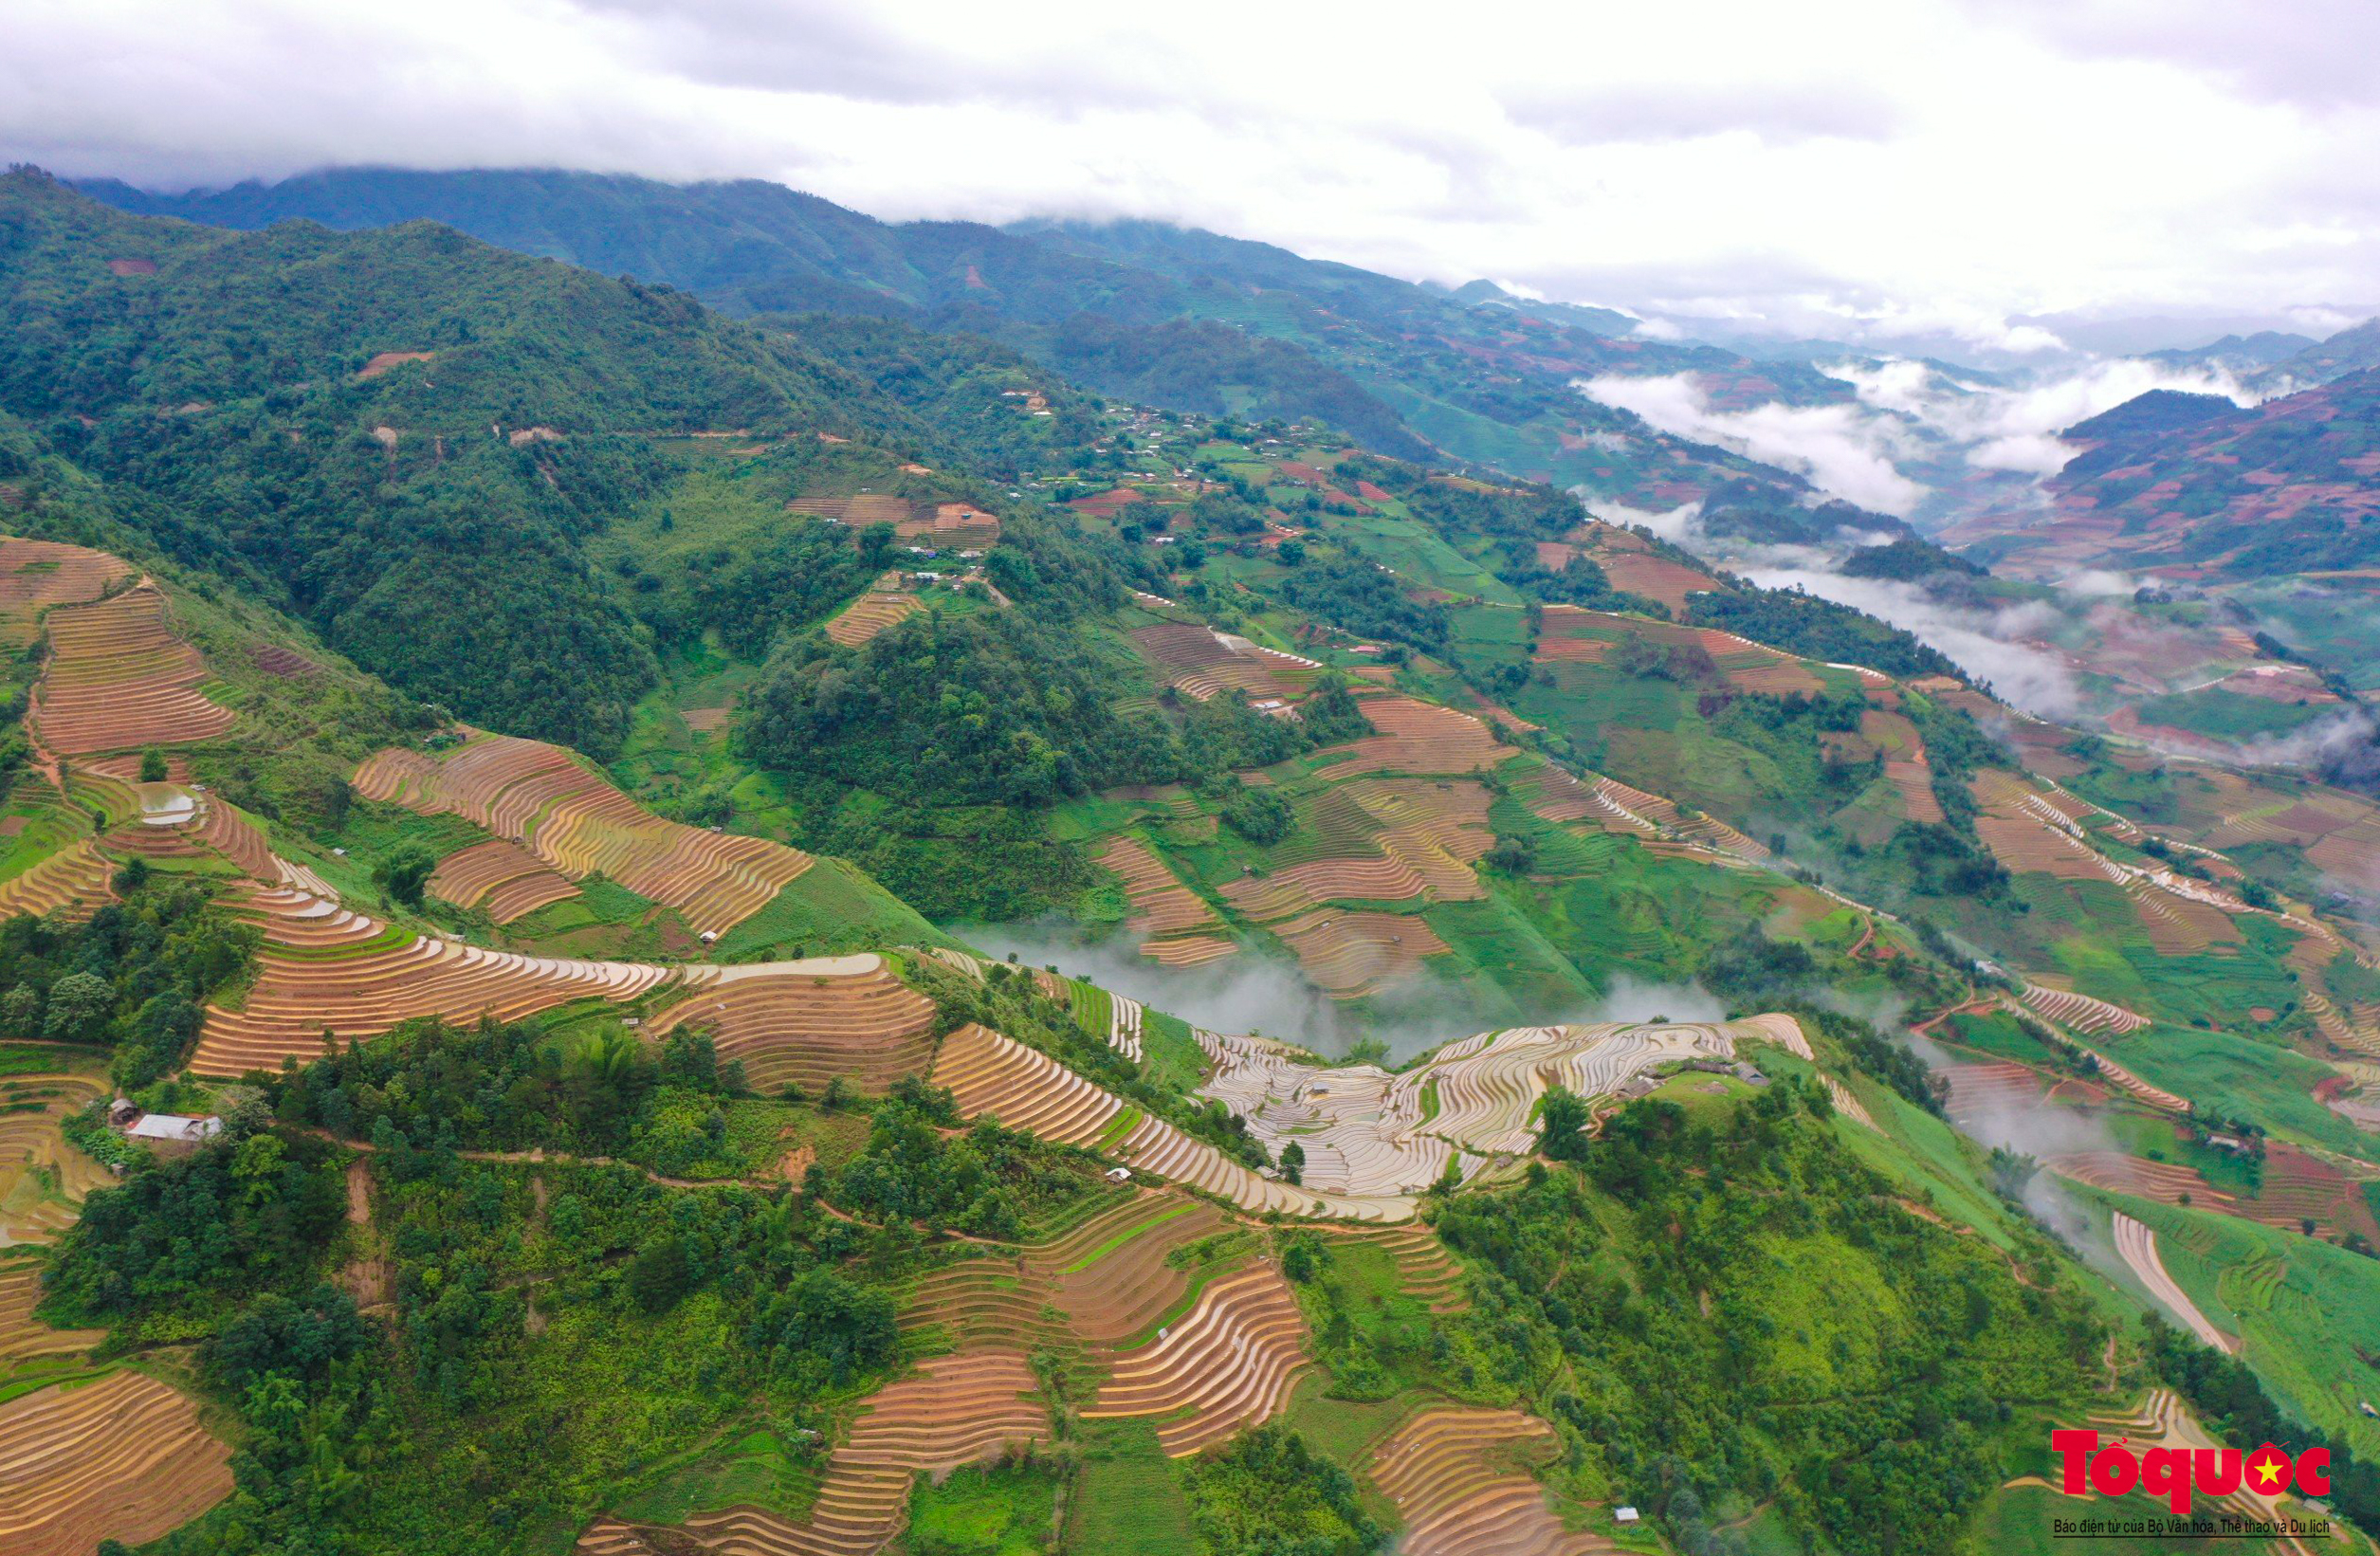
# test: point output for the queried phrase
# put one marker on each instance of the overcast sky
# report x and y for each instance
(1932, 164)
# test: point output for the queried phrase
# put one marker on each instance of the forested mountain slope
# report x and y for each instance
(1163, 314)
(406, 436)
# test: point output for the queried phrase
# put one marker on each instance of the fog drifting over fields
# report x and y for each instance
(1246, 992)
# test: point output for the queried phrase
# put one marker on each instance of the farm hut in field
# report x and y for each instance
(173, 1134)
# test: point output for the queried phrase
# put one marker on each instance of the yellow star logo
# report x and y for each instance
(2268, 1469)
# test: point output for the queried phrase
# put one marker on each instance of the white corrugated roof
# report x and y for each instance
(174, 1127)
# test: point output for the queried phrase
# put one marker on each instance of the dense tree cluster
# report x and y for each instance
(1769, 1324)
(158, 1254)
(1270, 1494)
(988, 1181)
(1351, 593)
(788, 577)
(1908, 559)
(1578, 581)
(978, 710)
(1816, 629)
(135, 977)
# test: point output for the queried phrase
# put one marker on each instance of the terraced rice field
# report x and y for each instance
(2178, 925)
(1417, 737)
(73, 881)
(1448, 1471)
(862, 508)
(1845, 1104)
(2026, 844)
(1369, 1132)
(960, 524)
(2337, 831)
(1425, 1270)
(1200, 663)
(804, 1023)
(1905, 765)
(2299, 1187)
(1350, 954)
(36, 574)
(325, 968)
(43, 1179)
(988, 1073)
(1980, 1089)
(169, 821)
(120, 1456)
(1632, 567)
(1230, 1362)
(501, 876)
(1636, 808)
(2156, 1096)
(387, 361)
(2028, 830)
(1765, 672)
(1378, 840)
(1438, 828)
(883, 605)
(1573, 635)
(967, 1408)
(1612, 806)
(1169, 914)
(1558, 795)
(1104, 1283)
(2162, 1421)
(27, 1345)
(2137, 1246)
(119, 1459)
(1113, 1017)
(2080, 1011)
(540, 797)
(119, 678)
(1189, 950)
(2164, 1182)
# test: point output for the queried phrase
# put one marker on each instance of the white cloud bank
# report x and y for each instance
(1907, 429)
(1845, 163)
(2012, 426)
(1846, 451)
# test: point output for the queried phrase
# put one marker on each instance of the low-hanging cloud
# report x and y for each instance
(1656, 158)
(2014, 426)
(1251, 994)
(1994, 644)
(2038, 1131)
(1238, 994)
(1910, 434)
(1843, 449)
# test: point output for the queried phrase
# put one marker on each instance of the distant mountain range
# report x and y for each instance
(1186, 319)
(2274, 361)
